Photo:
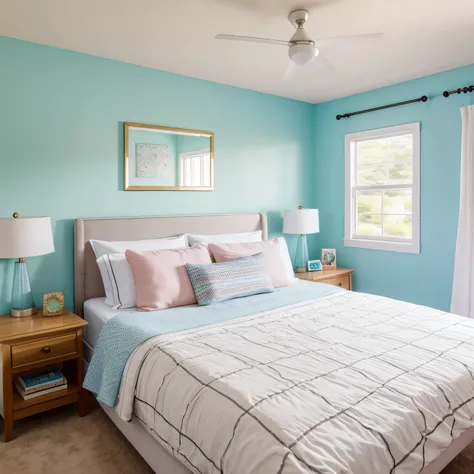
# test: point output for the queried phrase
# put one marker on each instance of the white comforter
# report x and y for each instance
(350, 383)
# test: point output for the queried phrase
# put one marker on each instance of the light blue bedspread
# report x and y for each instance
(123, 333)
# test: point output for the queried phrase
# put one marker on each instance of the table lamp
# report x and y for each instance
(301, 221)
(22, 237)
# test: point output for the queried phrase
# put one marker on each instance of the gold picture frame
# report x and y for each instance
(53, 304)
(128, 185)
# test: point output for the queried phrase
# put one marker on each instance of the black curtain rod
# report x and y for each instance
(389, 106)
(458, 91)
(423, 98)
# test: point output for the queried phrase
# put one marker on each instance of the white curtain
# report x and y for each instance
(462, 301)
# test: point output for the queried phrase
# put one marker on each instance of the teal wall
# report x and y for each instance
(186, 143)
(425, 278)
(61, 152)
(61, 119)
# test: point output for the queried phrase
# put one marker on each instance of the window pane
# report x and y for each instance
(181, 172)
(371, 174)
(206, 163)
(397, 201)
(397, 226)
(369, 202)
(368, 224)
(400, 148)
(196, 170)
(187, 173)
(371, 151)
(400, 173)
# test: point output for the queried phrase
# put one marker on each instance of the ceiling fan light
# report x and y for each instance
(303, 54)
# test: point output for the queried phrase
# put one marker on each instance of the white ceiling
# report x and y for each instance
(420, 37)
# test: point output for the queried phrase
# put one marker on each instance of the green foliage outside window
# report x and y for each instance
(384, 162)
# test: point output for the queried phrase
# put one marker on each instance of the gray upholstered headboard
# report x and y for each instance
(87, 280)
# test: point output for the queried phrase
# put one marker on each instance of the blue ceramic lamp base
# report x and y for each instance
(22, 298)
(301, 258)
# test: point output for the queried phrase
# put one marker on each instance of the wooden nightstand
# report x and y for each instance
(338, 276)
(33, 343)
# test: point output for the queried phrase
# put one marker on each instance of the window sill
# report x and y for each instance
(383, 245)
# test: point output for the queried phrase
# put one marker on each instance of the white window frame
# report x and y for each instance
(395, 244)
(193, 154)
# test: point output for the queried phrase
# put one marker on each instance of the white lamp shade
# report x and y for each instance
(25, 237)
(301, 221)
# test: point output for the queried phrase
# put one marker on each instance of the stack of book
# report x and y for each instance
(38, 384)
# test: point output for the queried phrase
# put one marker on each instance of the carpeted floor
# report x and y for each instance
(59, 442)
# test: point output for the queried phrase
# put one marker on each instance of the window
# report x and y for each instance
(383, 189)
(195, 168)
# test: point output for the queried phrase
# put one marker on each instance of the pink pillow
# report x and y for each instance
(161, 279)
(274, 264)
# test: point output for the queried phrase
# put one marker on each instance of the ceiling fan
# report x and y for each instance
(302, 50)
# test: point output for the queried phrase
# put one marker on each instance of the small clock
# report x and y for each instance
(314, 266)
(53, 304)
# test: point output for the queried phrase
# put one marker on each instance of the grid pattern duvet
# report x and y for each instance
(349, 383)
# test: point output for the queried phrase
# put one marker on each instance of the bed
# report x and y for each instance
(89, 303)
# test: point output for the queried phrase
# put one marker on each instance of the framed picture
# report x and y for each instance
(53, 304)
(151, 160)
(328, 257)
(167, 159)
(314, 265)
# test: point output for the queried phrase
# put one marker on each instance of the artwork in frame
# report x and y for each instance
(159, 158)
(53, 304)
(151, 160)
(328, 257)
(314, 265)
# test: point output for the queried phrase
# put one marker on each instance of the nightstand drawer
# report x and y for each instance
(343, 282)
(44, 349)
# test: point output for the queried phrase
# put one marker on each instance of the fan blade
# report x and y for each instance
(322, 63)
(290, 71)
(325, 42)
(251, 39)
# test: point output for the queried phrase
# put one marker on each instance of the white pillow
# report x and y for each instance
(118, 280)
(115, 271)
(102, 247)
(225, 238)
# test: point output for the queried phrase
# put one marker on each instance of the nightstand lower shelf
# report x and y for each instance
(23, 408)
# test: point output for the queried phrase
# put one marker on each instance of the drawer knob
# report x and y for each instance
(339, 284)
(46, 349)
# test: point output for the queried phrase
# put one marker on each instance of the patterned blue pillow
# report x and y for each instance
(215, 282)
